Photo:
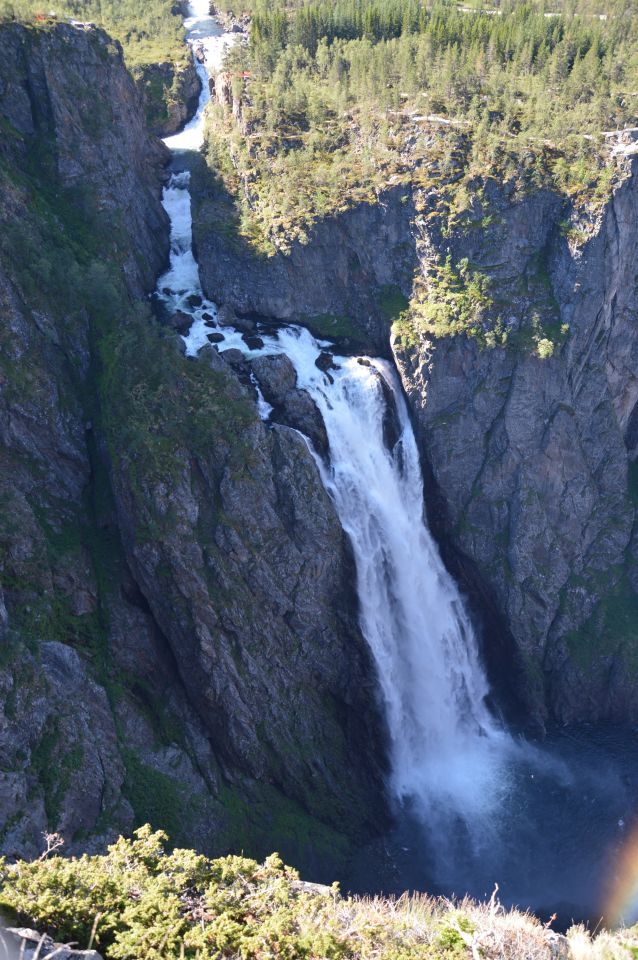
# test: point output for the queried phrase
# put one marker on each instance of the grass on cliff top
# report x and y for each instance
(150, 32)
(140, 901)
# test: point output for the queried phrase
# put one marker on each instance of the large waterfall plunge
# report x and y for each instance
(446, 750)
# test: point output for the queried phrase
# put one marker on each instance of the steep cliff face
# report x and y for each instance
(178, 638)
(342, 272)
(528, 461)
(170, 91)
(530, 456)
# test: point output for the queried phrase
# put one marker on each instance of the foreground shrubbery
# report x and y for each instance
(139, 902)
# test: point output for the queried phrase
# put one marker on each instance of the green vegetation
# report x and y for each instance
(334, 328)
(151, 33)
(453, 299)
(610, 631)
(140, 901)
(337, 100)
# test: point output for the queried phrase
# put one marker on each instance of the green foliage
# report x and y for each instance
(158, 408)
(545, 348)
(452, 300)
(150, 32)
(612, 629)
(392, 302)
(155, 797)
(334, 327)
(140, 901)
(346, 97)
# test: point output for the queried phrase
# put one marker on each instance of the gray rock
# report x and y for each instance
(226, 316)
(20, 942)
(181, 322)
(339, 271)
(301, 412)
(234, 357)
(276, 376)
(295, 408)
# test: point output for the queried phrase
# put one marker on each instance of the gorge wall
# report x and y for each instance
(529, 462)
(179, 637)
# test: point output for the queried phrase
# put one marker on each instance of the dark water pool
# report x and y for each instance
(555, 845)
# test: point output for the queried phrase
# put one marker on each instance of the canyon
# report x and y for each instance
(185, 638)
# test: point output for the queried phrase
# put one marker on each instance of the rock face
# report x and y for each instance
(95, 145)
(179, 643)
(529, 462)
(530, 456)
(171, 92)
(340, 272)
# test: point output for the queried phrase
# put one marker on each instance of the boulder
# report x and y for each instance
(234, 357)
(226, 316)
(325, 361)
(276, 376)
(215, 337)
(181, 322)
(301, 412)
(30, 945)
(252, 342)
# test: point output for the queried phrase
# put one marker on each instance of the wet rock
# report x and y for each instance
(181, 322)
(234, 357)
(252, 342)
(226, 316)
(391, 422)
(215, 337)
(364, 361)
(208, 318)
(276, 376)
(194, 301)
(301, 412)
(325, 361)
(245, 324)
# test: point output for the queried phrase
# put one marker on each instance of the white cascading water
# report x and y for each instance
(448, 754)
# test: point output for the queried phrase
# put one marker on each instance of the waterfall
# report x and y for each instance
(447, 752)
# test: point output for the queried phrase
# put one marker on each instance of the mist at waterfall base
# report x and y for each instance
(474, 805)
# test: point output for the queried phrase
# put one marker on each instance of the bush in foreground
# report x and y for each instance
(140, 902)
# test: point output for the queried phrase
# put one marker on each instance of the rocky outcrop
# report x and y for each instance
(25, 944)
(67, 93)
(171, 93)
(240, 556)
(341, 272)
(530, 456)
